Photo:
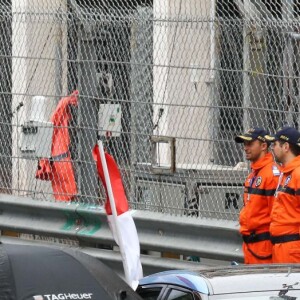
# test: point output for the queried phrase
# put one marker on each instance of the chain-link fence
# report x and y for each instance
(165, 84)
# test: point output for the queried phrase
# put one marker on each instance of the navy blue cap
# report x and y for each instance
(286, 134)
(252, 134)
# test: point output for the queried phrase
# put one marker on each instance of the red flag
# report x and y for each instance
(116, 182)
(120, 219)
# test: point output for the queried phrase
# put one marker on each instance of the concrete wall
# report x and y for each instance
(38, 68)
(182, 58)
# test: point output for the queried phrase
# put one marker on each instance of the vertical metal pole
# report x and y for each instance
(78, 146)
(212, 73)
(246, 67)
(141, 119)
(287, 16)
(18, 153)
(58, 60)
(87, 119)
(58, 69)
(212, 38)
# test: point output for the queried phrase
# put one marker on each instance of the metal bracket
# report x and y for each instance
(156, 166)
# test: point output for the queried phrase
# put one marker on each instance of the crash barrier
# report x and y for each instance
(151, 264)
(87, 226)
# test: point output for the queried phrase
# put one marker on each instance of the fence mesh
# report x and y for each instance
(166, 85)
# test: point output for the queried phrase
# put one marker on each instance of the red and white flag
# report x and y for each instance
(119, 217)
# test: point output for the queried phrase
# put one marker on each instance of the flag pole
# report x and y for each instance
(113, 209)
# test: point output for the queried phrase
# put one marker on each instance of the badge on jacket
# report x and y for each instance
(258, 181)
(287, 180)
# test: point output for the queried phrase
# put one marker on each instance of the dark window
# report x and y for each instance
(180, 295)
(150, 293)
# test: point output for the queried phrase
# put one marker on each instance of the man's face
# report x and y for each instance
(254, 150)
(278, 150)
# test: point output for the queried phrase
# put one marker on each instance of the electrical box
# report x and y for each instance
(36, 139)
(109, 120)
(208, 193)
(160, 196)
(220, 201)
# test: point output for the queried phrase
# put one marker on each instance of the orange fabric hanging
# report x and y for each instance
(59, 168)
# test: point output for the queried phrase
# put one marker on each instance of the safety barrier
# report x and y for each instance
(151, 264)
(87, 225)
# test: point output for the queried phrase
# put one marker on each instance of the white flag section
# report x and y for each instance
(120, 219)
(131, 246)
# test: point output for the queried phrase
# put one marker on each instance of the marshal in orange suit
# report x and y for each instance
(259, 190)
(285, 217)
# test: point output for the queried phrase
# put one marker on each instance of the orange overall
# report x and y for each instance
(285, 217)
(59, 167)
(259, 190)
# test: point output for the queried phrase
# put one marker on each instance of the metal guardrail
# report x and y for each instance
(151, 264)
(212, 239)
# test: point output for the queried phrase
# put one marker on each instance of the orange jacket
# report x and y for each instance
(259, 190)
(59, 168)
(285, 217)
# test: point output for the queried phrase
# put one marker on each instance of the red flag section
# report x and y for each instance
(122, 225)
(116, 182)
(59, 168)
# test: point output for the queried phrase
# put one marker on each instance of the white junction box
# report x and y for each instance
(109, 120)
(36, 139)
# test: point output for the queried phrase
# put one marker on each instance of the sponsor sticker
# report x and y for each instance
(64, 296)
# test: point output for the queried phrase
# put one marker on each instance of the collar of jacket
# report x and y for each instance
(293, 164)
(266, 159)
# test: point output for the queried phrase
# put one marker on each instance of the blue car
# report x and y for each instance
(260, 282)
